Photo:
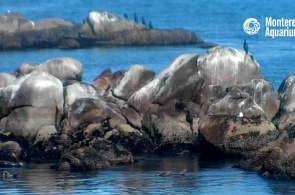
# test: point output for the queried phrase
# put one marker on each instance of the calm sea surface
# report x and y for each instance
(216, 21)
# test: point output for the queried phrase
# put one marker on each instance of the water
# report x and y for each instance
(202, 177)
(216, 21)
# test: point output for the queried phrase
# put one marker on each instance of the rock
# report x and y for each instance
(62, 68)
(157, 37)
(243, 137)
(6, 79)
(45, 133)
(136, 141)
(190, 77)
(87, 111)
(170, 132)
(255, 98)
(14, 22)
(106, 22)
(69, 44)
(78, 91)
(10, 151)
(100, 154)
(84, 112)
(27, 105)
(132, 80)
(104, 80)
(286, 115)
(132, 117)
(98, 29)
(108, 134)
(277, 162)
(25, 122)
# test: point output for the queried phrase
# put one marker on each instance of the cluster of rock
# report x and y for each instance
(47, 114)
(98, 28)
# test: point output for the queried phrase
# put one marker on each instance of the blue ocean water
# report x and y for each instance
(216, 21)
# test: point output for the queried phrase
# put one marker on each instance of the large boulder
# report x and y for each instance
(132, 80)
(286, 115)
(87, 111)
(77, 91)
(6, 79)
(241, 136)
(198, 78)
(257, 97)
(62, 68)
(32, 101)
(10, 151)
(104, 80)
(106, 22)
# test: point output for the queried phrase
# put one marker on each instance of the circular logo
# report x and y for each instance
(251, 26)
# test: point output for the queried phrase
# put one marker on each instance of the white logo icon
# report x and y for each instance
(251, 26)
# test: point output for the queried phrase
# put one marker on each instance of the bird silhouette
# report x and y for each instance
(125, 15)
(7, 175)
(246, 47)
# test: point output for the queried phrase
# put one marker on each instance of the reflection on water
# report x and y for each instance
(202, 177)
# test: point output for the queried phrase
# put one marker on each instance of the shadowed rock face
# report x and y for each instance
(197, 78)
(286, 116)
(257, 97)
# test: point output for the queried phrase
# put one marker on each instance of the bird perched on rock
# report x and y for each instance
(240, 115)
(150, 25)
(246, 47)
(7, 175)
(135, 17)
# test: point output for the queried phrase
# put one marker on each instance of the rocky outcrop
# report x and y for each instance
(277, 162)
(48, 115)
(198, 78)
(98, 29)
